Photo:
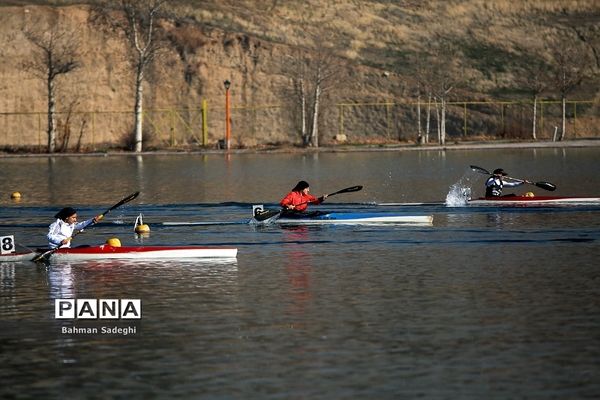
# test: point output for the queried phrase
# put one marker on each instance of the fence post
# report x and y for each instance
(40, 131)
(204, 123)
(387, 122)
(502, 119)
(94, 130)
(574, 119)
(541, 116)
(341, 128)
(172, 121)
(465, 127)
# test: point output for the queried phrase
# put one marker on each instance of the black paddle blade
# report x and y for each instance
(480, 170)
(125, 200)
(266, 214)
(546, 186)
(42, 257)
(347, 190)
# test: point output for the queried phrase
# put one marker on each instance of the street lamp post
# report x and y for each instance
(227, 84)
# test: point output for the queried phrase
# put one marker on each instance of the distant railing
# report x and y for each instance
(512, 119)
(275, 124)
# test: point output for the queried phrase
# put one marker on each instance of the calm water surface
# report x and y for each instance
(491, 303)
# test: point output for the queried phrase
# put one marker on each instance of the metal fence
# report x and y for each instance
(468, 119)
(276, 124)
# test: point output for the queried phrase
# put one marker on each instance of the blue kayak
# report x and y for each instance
(320, 217)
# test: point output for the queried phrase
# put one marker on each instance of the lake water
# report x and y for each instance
(488, 302)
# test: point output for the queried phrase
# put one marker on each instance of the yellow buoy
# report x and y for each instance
(114, 242)
(142, 228)
(529, 194)
(15, 195)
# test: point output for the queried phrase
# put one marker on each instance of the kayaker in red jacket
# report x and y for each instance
(299, 198)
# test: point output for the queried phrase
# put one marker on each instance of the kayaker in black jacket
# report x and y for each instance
(495, 183)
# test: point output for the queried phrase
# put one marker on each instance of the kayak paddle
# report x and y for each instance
(268, 214)
(544, 185)
(48, 253)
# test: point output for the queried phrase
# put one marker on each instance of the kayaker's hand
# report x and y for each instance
(97, 218)
(290, 206)
(65, 241)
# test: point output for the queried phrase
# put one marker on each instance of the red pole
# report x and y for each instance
(227, 117)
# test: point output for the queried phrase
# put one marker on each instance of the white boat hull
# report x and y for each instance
(17, 257)
(534, 201)
(205, 252)
(106, 252)
(396, 219)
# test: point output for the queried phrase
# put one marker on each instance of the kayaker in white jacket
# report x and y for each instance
(495, 183)
(61, 230)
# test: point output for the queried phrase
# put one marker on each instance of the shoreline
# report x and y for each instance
(333, 149)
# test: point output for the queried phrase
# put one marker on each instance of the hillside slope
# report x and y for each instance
(378, 43)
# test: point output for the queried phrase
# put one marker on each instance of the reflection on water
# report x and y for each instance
(62, 282)
(298, 266)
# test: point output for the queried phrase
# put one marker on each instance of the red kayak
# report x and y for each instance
(535, 200)
(105, 251)
(146, 252)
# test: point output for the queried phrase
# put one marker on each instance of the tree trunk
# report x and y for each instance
(138, 108)
(437, 122)
(443, 122)
(533, 133)
(419, 133)
(315, 121)
(51, 116)
(427, 127)
(305, 136)
(564, 118)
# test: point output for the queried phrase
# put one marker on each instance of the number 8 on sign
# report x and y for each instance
(7, 244)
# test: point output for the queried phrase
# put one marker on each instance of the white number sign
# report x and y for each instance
(7, 244)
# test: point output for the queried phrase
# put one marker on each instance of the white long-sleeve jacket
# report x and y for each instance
(60, 230)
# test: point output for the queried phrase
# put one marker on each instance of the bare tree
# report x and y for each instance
(295, 66)
(56, 53)
(571, 64)
(312, 75)
(440, 77)
(423, 87)
(137, 20)
(535, 80)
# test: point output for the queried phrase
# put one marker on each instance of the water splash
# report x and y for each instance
(459, 193)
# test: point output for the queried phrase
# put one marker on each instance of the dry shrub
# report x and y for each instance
(187, 39)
